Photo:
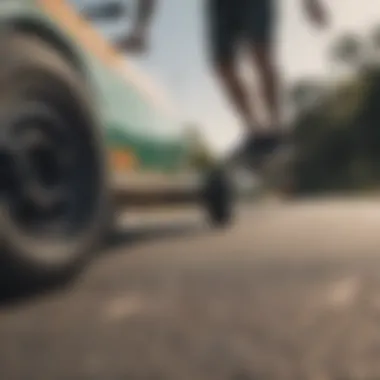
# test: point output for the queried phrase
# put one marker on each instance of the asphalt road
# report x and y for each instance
(292, 291)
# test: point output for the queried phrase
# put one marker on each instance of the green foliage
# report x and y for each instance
(305, 94)
(200, 155)
(338, 142)
(375, 38)
(347, 49)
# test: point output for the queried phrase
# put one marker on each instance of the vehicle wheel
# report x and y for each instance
(53, 188)
(218, 198)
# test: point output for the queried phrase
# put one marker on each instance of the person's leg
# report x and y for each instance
(270, 86)
(257, 21)
(225, 35)
(236, 92)
(260, 28)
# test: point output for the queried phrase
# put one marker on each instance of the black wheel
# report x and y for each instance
(218, 198)
(53, 184)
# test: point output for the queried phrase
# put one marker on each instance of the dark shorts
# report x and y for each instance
(232, 22)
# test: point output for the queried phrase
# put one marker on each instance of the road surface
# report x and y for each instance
(292, 291)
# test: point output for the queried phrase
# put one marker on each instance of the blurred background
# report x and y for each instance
(329, 85)
(292, 290)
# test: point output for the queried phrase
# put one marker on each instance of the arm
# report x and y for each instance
(137, 40)
(145, 12)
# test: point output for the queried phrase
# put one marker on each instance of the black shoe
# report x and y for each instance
(257, 149)
(260, 148)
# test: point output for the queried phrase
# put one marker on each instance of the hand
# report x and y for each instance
(136, 42)
(316, 13)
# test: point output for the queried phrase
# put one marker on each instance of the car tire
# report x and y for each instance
(40, 86)
(218, 198)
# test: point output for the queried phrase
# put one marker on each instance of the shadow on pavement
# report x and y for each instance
(130, 237)
(126, 239)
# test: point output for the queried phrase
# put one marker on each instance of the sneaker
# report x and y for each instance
(263, 147)
(257, 149)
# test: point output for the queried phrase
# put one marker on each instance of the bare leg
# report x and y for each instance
(237, 93)
(263, 59)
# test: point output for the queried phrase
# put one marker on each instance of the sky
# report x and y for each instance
(177, 58)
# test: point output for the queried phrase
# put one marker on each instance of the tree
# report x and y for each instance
(305, 94)
(375, 44)
(338, 140)
(200, 155)
(348, 50)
